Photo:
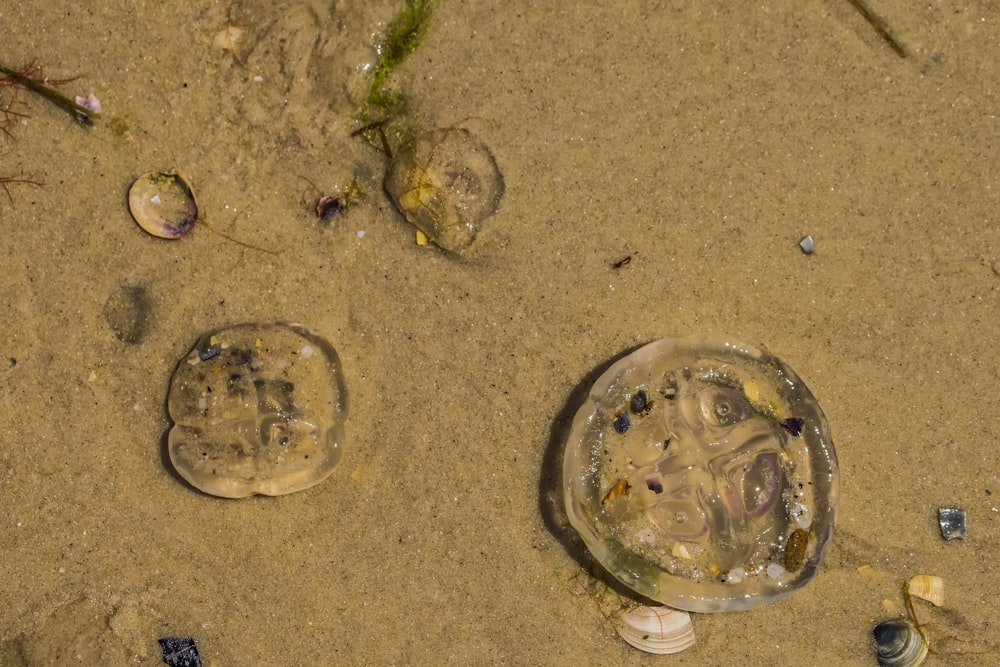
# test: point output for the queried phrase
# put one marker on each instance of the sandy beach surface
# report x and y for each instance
(702, 140)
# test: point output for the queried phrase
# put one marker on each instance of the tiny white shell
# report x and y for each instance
(927, 587)
(659, 630)
(680, 550)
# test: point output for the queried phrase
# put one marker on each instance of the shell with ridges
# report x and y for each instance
(927, 587)
(898, 644)
(659, 630)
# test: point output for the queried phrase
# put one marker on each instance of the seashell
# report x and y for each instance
(927, 587)
(257, 408)
(163, 204)
(898, 644)
(680, 550)
(446, 183)
(659, 630)
(712, 464)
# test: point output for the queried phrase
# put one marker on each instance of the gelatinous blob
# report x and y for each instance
(447, 184)
(258, 408)
(713, 472)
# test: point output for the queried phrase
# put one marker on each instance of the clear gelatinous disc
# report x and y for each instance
(701, 473)
(257, 408)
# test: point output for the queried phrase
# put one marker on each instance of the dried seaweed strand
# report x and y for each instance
(5, 181)
(80, 112)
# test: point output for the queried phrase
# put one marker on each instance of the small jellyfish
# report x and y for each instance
(733, 461)
(257, 408)
(446, 183)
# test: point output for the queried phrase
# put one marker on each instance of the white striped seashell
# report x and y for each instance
(898, 644)
(659, 630)
(927, 587)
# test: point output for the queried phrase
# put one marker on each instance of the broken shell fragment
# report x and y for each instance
(951, 521)
(898, 644)
(659, 630)
(927, 587)
(446, 183)
(163, 204)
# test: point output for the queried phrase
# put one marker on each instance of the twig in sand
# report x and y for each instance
(879, 27)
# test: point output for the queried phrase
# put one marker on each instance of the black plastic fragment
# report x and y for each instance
(952, 523)
(180, 652)
(208, 352)
(793, 425)
(621, 422)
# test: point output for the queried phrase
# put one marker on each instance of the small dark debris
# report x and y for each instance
(180, 652)
(13, 362)
(654, 485)
(622, 422)
(239, 357)
(952, 523)
(793, 425)
(329, 205)
(622, 262)
(206, 353)
(670, 391)
(638, 402)
(666, 443)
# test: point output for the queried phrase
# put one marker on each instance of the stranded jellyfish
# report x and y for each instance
(257, 408)
(700, 472)
(446, 183)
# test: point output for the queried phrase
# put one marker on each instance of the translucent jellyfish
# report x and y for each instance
(258, 408)
(700, 472)
(447, 184)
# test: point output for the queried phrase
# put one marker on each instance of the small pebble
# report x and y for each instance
(952, 523)
(807, 245)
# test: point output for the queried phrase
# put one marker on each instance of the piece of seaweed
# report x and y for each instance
(404, 36)
(80, 112)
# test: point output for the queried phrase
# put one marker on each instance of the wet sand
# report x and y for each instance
(703, 140)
